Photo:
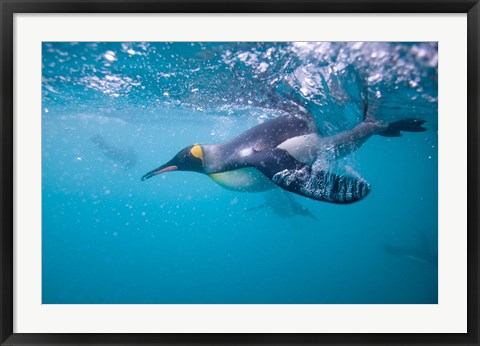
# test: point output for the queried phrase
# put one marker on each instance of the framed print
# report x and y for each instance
(241, 173)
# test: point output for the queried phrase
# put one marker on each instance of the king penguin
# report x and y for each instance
(281, 152)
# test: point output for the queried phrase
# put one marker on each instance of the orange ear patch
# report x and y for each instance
(197, 152)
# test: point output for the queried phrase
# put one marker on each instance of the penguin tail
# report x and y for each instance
(406, 125)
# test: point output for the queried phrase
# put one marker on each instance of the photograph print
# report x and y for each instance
(239, 173)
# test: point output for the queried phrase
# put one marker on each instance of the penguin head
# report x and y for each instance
(187, 159)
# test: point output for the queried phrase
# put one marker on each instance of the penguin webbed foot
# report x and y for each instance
(406, 125)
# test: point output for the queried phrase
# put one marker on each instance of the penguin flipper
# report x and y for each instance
(302, 179)
(322, 185)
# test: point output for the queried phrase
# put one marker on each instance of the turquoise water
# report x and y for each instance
(113, 111)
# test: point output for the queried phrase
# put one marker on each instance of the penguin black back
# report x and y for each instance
(246, 149)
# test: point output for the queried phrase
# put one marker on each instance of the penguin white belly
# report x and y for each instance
(243, 179)
(303, 148)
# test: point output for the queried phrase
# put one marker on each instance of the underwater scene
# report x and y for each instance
(239, 173)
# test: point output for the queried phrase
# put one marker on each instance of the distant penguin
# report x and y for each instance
(125, 157)
(424, 253)
(283, 204)
(281, 152)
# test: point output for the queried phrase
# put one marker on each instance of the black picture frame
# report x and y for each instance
(9, 7)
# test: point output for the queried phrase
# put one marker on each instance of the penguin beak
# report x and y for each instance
(162, 169)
